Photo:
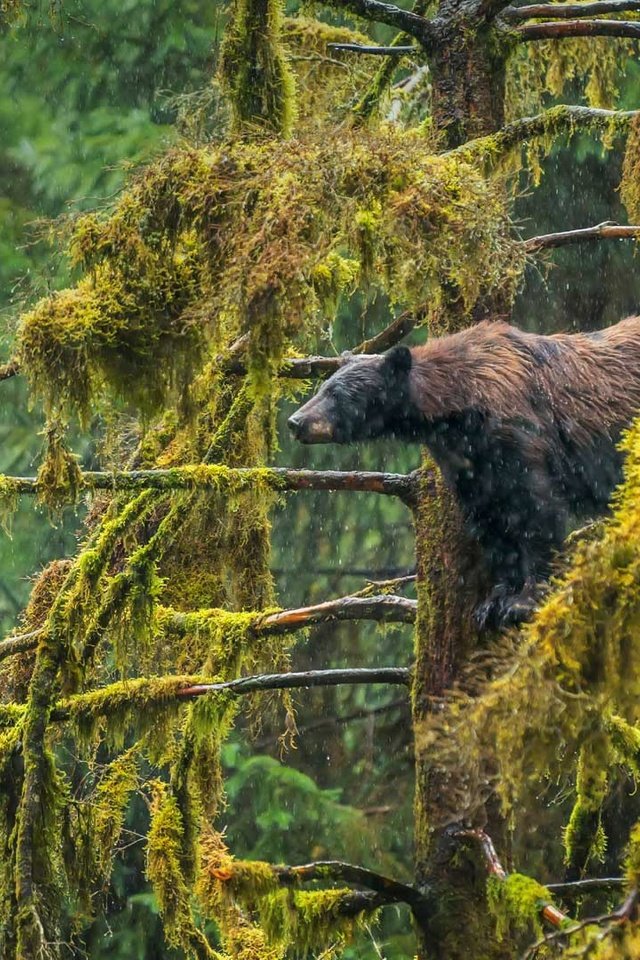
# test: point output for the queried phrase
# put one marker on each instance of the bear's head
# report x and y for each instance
(361, 401)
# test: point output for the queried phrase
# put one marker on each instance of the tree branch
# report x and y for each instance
(374, 51)
(621, 915)
(411, 23)
(215, 477)
(305, 679)
(556, 121)
(9, 369)
(577, 888)
(381, 608)
(602, 231)
(568, 11)
(555, 30)
(392, 891)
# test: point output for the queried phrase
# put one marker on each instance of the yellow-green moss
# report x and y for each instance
(516, 903)
(59, 478)
(8, 501)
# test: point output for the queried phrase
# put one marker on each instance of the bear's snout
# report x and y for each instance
(308, 428)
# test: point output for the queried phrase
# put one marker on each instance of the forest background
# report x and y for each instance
(87, 92)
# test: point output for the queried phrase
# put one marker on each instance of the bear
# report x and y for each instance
(524, 427)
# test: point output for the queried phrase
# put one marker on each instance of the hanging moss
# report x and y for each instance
(516, 903)
(167, 878)
(8, 502)
(584, 837)
(632, 862)
(630, 184)
(254, 68)
(59, 478)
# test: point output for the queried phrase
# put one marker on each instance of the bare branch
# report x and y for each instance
(381, 608)
(363, 713)
(411, 23)
(391, 890)
(304, 679)
(193, 477)
(568, 11)
(557, 121)
(556, 30)
(608, 230)
(374, 51)
(577, 888)
(621, 915)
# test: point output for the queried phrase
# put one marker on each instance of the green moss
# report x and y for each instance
(254, 68)
(8, 501)
(59, 478)
(516, 903)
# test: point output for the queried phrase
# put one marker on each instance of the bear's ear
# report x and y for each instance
(398, 359)
(345, 357)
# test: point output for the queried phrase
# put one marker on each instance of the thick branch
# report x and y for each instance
(391, 890)
(556, 121)
(214, 477)
(374, 51)
(568, 11)
(602, 231)
(411, 23)
(381, 608)
(555, 30)
(20, 643)
(304, 679)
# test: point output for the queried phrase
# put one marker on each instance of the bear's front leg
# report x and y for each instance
(505, 607)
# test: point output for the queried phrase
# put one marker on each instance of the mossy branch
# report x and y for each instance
(608, 230)
(570, 11)
(557, 121)
(304, 679)
(217, 477)
(392, 891)
(374, 51)
(562, 30)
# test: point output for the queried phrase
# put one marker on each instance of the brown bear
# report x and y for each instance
(524, 427)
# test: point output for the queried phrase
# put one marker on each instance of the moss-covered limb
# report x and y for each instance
(37, 856)
(304, 679)
(255, 70)
(558, 121)
(165, 871)
(569, 11)
(407, 21)
(236, 479)
(601, 231)
(380, 608)
(392, 890)
(621, 915)
(20, 643)
(560, 30)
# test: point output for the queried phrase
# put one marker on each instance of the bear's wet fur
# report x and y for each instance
(523, 426)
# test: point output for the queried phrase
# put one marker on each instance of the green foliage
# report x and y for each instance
(515, 902)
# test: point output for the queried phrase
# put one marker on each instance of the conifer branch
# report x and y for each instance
(374, 51)
(608, 230)
(375, 10)
(392, 891)
(216, 477)
(557, 121)
(304, 679)
(570, 11)
(561, 30)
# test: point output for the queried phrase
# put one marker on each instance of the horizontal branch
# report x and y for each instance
(380, 608)
(560, 30)
(601, 231)
(304, 679)
(557, 121)
(20, 643)
(578, 888)
(9, 369)
(374, 51)
(392, 891)
(215, 477)
(569, 11)
(375, 10)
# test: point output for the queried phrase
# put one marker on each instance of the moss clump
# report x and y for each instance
(630, 184)
(59, 478)
(584, 838)
(254, 68)
(516, 903)
(9, 497)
